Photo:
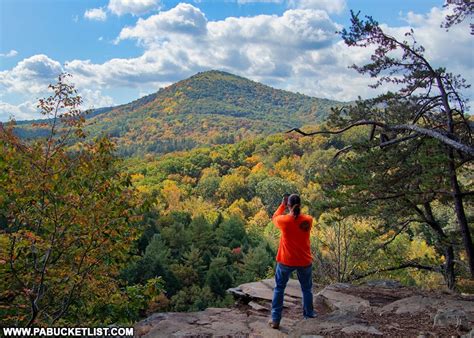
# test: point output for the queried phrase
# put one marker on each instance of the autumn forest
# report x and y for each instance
(162, 204)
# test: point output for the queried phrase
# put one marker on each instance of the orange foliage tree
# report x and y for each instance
(66, 218)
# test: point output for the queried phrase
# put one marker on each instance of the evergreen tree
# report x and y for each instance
(428, 106)
(256, 264)
(219, 278)
(231, 233)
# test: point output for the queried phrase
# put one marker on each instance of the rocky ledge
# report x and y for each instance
(378, 308)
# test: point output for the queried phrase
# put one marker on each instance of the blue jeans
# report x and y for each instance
(282, 275)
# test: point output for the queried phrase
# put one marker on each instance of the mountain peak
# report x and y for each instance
(210, 107)
(215, 76)
(214, 72)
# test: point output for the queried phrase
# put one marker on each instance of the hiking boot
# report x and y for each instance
(312, 316)
(274, 325)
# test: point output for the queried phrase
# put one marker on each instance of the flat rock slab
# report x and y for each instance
(379, 308)
(257, 306)
(264, 290)
(417, 304)
(212, 322)
(293, 288)
(385, 308)
(340, 301)
(451, 317)
(327, 325)
(376, 293)
(358, 329)
(384, 283)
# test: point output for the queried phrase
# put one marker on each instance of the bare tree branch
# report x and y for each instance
(409, 264)
(401, 127)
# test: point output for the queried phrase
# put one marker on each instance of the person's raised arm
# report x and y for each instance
(282, 207)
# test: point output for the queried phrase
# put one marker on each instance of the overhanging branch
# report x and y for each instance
(401, 127)
(397, 140)
(409, 264)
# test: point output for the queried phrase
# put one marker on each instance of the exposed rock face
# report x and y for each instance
(417, 304)
(390, 310)
(358, 329)
(337, 300)
(451, 317)
(263, 290)
(375, 309)
(212, 322)
(208, 323)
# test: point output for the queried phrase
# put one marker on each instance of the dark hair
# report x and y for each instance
(294, 202)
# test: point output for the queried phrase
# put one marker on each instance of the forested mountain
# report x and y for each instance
(208, 108)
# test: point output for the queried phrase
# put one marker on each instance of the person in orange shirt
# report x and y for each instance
(294, 253)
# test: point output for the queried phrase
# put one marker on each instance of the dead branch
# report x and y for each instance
(402, 127)
(409, 264)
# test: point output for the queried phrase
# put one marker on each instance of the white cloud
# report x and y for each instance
(184, 19)
(330, 6)
(28, 110)
(454, 48)
(134, 7)
(9, 54)
(181, 41)
(297, 50)
(152, 68)
(94, 99)
(295, 29)
(24, 111)
(96, 14)
(31, 75)
(29, 80)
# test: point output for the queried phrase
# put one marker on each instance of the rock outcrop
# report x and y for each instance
(373, 309)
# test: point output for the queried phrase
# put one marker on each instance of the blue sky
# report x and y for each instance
(118, 50)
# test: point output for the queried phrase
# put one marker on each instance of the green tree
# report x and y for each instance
(208, 187)
(68, 218)
(219, 278)
(460, 11)
(412, 112)
(231, 233)
(195, 260)
(202, 234)
(232, 187)
(193, 298)
(399, 186)
(428, 106)
(271, 190)
(256, 263)
(156, 262)
(204, 239)
(131, 303)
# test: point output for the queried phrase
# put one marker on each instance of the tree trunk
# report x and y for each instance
(453, 179)
(447, 247)
(460, 214)
(449, 275)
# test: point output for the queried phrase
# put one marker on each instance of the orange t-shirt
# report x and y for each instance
(294, 248)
